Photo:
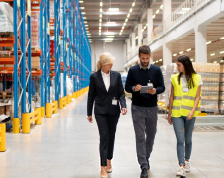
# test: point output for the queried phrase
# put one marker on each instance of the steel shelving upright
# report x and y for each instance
(65, 39)
(57, 37)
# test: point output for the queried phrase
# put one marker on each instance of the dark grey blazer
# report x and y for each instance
(102, 98)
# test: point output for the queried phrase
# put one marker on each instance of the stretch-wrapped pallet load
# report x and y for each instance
(51, 9)
(221, 93)
(35, 29)
(6, 17)
(210, 73)
(170, 70)
(161, 97)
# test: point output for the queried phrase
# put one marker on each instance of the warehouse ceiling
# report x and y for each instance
(115, 15)
(215, 44)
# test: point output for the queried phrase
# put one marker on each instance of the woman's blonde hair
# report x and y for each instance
(105, 58)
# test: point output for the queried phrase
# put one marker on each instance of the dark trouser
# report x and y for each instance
(145, 125)
(107, 127)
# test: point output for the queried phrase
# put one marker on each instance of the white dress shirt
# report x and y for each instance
(106, 79)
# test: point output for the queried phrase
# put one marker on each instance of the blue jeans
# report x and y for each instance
(183, 129)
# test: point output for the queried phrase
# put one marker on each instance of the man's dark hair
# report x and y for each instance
(144, 49)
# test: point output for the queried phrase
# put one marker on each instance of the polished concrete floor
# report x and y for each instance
(66, 145)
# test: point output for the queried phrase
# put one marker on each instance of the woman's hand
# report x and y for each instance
(90, 119)
(170, 119)
(190, 115)
(123, 111)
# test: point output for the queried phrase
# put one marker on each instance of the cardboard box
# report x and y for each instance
(35, 62)
(8, 111)
(2, 110)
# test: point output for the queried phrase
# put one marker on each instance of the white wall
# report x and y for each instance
(116, 48)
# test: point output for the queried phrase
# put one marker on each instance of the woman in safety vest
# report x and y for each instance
(184, 104)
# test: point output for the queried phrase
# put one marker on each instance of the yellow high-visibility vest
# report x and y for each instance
(184, 101)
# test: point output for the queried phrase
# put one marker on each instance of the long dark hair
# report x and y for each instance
(189, 70)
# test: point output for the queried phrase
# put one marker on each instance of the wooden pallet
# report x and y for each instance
(35, 68)
(6, 34)
(5, 94)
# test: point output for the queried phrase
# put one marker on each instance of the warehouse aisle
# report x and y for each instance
(67, 146)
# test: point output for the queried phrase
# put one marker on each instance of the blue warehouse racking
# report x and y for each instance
(45, 82)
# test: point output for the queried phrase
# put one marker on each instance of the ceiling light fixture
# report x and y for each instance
(188, 49)
(185, 9)
(133, 4)
(100, 20)
(85, 21)
(113, 9)
(215, 61)
(126, 20)
(192, 59)
(83, 13)
(86, 25)
(181, 52)
(101, 4)
(213, 54)
(128, 15)
(100, 24)
(161, 7)
(80, 1)
(161, 60)
(175, 55)
(153, 16)
(100, 15)
(124, 24)
(208, 42)
(101, 10)
(157, 61)
(130, 10)
(136, 37)
(142, 30)
(110, 36)
(109, 33)
(221, 52)
(222, 38)
(82, 7)
(157, 11)
(84, 17)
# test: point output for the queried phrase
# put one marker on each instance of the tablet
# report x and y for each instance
(145, 88)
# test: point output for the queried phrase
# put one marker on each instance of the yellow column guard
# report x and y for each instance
(2, 137)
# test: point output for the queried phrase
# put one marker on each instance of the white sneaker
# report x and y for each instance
(187, 166)
(181, 172)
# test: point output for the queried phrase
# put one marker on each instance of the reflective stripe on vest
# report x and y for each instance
(189, 108)
(189, 97)
(177, 97)
(185, 107)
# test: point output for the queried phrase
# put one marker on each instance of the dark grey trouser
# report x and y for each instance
(145, 125)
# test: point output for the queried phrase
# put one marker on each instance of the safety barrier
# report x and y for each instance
(69, 99)
(28, 118)
(51, 108)
(62, 102)
(80, 92)
(2, 137)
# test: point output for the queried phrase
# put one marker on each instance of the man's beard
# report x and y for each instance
(143, 65)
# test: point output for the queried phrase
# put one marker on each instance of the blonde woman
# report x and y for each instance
(106, 90)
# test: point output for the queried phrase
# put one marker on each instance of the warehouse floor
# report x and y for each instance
(66, 145)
